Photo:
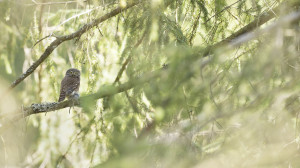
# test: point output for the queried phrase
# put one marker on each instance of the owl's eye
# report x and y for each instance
(71, 72)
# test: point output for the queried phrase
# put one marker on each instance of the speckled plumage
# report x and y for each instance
(70, 84)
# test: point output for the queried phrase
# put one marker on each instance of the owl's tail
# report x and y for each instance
(62, 96)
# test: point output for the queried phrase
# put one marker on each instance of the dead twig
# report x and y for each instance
(51, 35)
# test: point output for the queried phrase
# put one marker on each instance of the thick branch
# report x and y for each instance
(103, 92)
(62, 39)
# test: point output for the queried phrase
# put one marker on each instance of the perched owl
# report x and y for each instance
(70, 85)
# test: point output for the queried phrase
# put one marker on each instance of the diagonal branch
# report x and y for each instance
(227, 7)
(128, 60)
(74, 35)
(262, 19)
(244, 38)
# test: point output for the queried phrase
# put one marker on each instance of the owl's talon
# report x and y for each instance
(76, 96)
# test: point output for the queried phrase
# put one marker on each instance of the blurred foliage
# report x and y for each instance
(235, 108)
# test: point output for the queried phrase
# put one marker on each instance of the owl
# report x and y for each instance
(70, 85)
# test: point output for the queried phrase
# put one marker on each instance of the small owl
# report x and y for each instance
(70, 85)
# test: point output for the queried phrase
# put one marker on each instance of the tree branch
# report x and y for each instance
(102, 93)
(262, 19)
(244, 38)
(62, 39)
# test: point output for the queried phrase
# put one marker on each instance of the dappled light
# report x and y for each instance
(152, 83)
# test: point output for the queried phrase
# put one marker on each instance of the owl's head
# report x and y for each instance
(75, 73)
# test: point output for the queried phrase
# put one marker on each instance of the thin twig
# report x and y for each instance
(128, 60)
(53, 3)
(40, 40)
(51, 35)
(4, 150)
(195, 26)
(227, 7)
(87, 127)
(76, 16)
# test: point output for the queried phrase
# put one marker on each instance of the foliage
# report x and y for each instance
(237, 107)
